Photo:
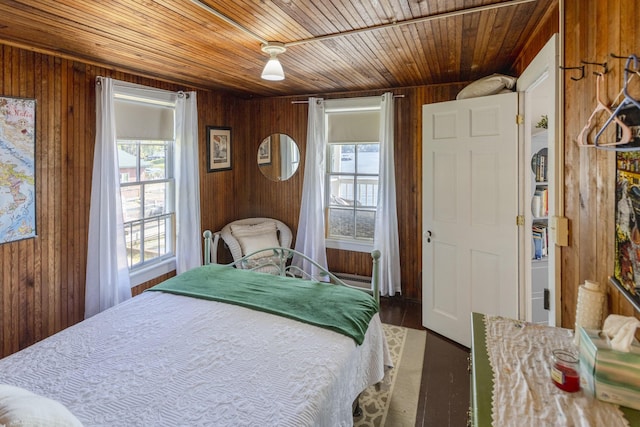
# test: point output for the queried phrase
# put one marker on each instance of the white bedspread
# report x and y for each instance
(162, 359)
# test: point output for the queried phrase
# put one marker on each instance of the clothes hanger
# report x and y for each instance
(627, 101)
(601, 106)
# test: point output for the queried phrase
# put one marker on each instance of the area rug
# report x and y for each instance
(394, 401)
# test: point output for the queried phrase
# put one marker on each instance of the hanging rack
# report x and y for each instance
(604, 65)
(627, 101)
(581, 68)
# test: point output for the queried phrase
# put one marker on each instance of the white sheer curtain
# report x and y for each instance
(188, 233)
(386, 228)
(310, 235)
(107, 270)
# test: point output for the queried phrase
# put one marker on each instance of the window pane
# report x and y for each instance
(365, 224)
(367, 190)
(154, 161)
(155, 237)
(341, 190)
(341, 158)
(369, 158)
(128, 162)
(133, 236)
(151, 173)
(341, 223)
(131, 202)
(154, 198)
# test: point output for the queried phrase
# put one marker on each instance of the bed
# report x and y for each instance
(166, 357)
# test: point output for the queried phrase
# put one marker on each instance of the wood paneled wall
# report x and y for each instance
(42, 279)
(218, 193)
(593, 30)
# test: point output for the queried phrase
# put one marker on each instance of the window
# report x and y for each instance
(352, 176)
(146, 142)
(147, 199)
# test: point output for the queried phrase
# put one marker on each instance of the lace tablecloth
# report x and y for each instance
(523, 393)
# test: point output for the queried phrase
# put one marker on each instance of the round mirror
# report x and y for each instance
(278, 157)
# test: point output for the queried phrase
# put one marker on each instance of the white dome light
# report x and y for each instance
(273, 70)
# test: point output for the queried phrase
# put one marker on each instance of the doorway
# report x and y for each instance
(538, 101)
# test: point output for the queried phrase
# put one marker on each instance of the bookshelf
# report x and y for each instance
(540, 85)
(538, 184)
(539, 201)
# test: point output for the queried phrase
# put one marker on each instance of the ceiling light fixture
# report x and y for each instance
(273, 70)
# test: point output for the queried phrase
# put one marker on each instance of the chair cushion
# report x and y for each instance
(256, 237)
(20, 407)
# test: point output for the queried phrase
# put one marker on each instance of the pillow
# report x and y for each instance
(255, 237)
(490, 85)
(21, 408)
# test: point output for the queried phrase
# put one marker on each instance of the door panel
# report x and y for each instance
(485, 278)
(484, 189)
(470, 204)
(445, 298)
(445, 172)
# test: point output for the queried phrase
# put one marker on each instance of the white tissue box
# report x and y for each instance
(609, 375)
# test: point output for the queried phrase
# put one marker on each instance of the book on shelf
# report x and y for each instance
(540, 238)
(540, 203)
(537, 247)
(540, 167)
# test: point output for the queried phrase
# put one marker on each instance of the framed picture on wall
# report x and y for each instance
(218, 148)
(627, 241)
(17, 168)
(264, 152)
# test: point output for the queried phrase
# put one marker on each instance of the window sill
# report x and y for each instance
(145, 274)
(349, 245)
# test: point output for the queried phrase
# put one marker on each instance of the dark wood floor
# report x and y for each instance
(444, 390)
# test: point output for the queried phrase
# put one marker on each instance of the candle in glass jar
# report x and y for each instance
(565, 372)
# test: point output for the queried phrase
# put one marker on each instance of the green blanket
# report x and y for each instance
(341, 309)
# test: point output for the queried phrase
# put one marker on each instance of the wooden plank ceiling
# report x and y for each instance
(371, 44)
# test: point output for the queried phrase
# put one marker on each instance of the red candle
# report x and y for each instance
(564, 371)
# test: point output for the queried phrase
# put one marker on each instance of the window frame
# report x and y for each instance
(348, 243)
(166, 263)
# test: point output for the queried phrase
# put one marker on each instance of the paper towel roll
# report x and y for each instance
(590, 307)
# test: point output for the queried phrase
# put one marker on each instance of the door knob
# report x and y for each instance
(428, 234)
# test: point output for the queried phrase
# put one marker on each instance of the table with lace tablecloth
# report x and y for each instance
(511, 380)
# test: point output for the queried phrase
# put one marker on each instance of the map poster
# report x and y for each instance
(17, 169)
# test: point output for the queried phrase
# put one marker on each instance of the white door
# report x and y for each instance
(470, 206)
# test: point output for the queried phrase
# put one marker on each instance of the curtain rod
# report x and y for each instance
(136, 86)
(329, 99)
